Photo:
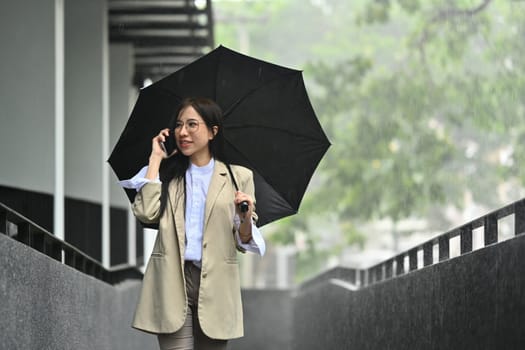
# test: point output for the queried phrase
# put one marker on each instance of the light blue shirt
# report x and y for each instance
(197, 183)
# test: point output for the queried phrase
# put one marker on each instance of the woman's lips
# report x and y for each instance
(184, 144)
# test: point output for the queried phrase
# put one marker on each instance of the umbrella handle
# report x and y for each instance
(243, 206)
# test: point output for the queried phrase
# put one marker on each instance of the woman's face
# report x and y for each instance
(192, 136)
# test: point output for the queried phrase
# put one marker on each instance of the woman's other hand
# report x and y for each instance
(243, 197)
(245, 229)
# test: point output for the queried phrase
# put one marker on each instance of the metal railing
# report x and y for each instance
(16, 226)
(407, 261)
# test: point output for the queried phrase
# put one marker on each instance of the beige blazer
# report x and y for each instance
(163, 303)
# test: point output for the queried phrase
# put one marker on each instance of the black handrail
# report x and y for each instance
(395, 266)
(19, 227)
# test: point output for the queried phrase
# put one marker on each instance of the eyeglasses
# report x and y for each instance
(192, 125)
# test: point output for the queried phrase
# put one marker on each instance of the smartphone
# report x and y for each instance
(169, 145)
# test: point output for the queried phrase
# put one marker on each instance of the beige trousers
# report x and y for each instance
(191, 336)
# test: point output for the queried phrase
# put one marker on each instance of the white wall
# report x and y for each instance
(32, 99)
(122, 99)
(86, 46)
(27, 95)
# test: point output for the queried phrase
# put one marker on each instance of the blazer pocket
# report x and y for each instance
(231, 251)
(156, 255)
(232, 260)
(158, 247)
(231, 255)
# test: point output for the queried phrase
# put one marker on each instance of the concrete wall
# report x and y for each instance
(475, 301)
(267, 320)
(47, 305)
(27, 95)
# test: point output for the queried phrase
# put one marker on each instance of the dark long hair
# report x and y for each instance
(176, 166)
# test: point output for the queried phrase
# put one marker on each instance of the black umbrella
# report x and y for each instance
(269, 125)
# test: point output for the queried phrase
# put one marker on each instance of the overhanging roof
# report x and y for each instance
(166, 35)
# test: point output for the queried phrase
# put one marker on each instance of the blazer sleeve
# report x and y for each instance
(146, 205)
(256, 244)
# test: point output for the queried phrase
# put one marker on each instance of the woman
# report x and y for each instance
(191, 291)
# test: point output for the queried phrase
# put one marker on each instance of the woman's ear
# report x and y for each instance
(214, 130)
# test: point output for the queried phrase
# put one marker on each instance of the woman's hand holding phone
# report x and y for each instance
(160, 150)
(163, 144)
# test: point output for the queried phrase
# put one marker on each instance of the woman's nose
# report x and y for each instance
(183, 130)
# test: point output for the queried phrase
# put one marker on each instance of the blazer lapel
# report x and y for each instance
(176, 192)
(217, 182)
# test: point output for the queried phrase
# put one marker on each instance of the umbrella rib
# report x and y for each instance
(287, 131)
(242, 98)
(254, 168)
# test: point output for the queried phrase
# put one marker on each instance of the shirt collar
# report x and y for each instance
(205, 169)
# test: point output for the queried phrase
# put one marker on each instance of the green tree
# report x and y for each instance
(423, 132)
(422, 101)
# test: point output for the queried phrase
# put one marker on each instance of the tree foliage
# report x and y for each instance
(426, 130)
(422, 100)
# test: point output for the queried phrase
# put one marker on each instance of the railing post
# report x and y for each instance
(444, 247)
(364, 282)
(466, 238)
(372, 275)
(400, 264)
(90, 268)
(412, 259)
(389, 271)
(38, 241)
(70, 258)
(353, 276)
(80, 263)
(53, 249)
(379, 272)
(428, 254)
(491, 229)
(3, 222)
(519, 217)
(24, 233)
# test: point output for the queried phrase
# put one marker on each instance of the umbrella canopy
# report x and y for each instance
(269, 125)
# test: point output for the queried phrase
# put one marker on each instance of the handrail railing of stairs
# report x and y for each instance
(423, 254)
(19, 227)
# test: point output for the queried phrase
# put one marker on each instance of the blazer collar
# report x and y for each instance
(176, 190)
(218, 180)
